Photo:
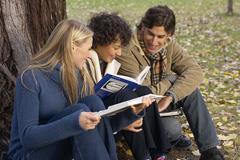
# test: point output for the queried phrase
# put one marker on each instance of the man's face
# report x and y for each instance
(109, 52)
(154, 38)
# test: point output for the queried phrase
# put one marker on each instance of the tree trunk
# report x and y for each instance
(230, 7)
(24, 27)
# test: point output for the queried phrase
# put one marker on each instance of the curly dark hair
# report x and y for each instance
(108, 27)
(159, 16)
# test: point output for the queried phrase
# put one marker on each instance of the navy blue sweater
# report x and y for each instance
(36, 102)
(39, 99)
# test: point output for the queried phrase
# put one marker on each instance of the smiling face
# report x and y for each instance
(81, 52)
(108, 53)
(154, 38)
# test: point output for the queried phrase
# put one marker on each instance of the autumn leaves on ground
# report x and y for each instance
(209, 35)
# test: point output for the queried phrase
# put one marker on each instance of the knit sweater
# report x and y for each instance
(37, 100)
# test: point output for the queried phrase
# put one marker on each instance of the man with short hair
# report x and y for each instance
(153, 45)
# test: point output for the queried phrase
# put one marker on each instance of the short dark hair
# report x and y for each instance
(159, 16)
(108, 27)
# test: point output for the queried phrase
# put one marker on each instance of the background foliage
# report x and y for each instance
(209, 35)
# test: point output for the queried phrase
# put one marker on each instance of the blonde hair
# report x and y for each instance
(58, 49)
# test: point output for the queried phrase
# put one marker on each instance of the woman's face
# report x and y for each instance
(81, 52)
(108, 53)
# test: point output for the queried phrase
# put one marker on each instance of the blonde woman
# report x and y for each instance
(54, 105)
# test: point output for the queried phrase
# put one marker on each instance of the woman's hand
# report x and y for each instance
(138, 108)
(135, 126)
(164, 103)
(88, 120)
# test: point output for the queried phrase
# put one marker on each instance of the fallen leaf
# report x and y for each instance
(196, 153)
(225, 118)
(190, 135)
(219, 124)
(228, 143)
(227, 138)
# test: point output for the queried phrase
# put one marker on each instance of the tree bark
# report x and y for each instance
(24, 27)
(230, 7)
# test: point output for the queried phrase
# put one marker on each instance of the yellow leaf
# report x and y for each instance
(190, 135)
(232, 101)
(232, 128)
(232, 136)
(196, 153)
(228, 144)
(220, 85)
(222, 137)
(129, 152)
(225, 118)
(219, 124)
(227, 138)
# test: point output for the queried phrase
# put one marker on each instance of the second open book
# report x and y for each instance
(119, 107)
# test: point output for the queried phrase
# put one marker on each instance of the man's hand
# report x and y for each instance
(138, 108)
(164, 103)
(135, 126)
(88, 120)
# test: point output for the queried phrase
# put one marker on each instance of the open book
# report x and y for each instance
(112, 83)
(116, 108)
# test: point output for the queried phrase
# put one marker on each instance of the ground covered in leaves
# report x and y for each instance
(209, 35)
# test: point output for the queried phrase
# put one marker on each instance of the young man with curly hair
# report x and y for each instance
(153, 44)
(111, 33)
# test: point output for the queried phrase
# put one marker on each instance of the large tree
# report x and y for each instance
(24, 27)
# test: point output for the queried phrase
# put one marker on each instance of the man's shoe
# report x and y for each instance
(212, 154)
(182, 143)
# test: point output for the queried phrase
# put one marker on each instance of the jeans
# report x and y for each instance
(172, 127)
(94, 144)
(199, 120)
(152, 136)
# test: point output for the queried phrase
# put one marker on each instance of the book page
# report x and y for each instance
(113, 67)
(127, 78)
(142, 75)
(116, 108)
(139, 80)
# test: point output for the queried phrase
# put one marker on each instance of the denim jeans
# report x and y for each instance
(172, 127)
(94, 144)
(153, 135)
(199, 120)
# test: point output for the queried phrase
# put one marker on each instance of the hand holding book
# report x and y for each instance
(141, 102)
(136, 126)
(146, 102)
(164, 103)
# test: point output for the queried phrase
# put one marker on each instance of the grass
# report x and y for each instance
(209, 35)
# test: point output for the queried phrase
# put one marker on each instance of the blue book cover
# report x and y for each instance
(112, 83)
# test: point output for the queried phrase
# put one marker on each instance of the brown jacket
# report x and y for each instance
(189, 73)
